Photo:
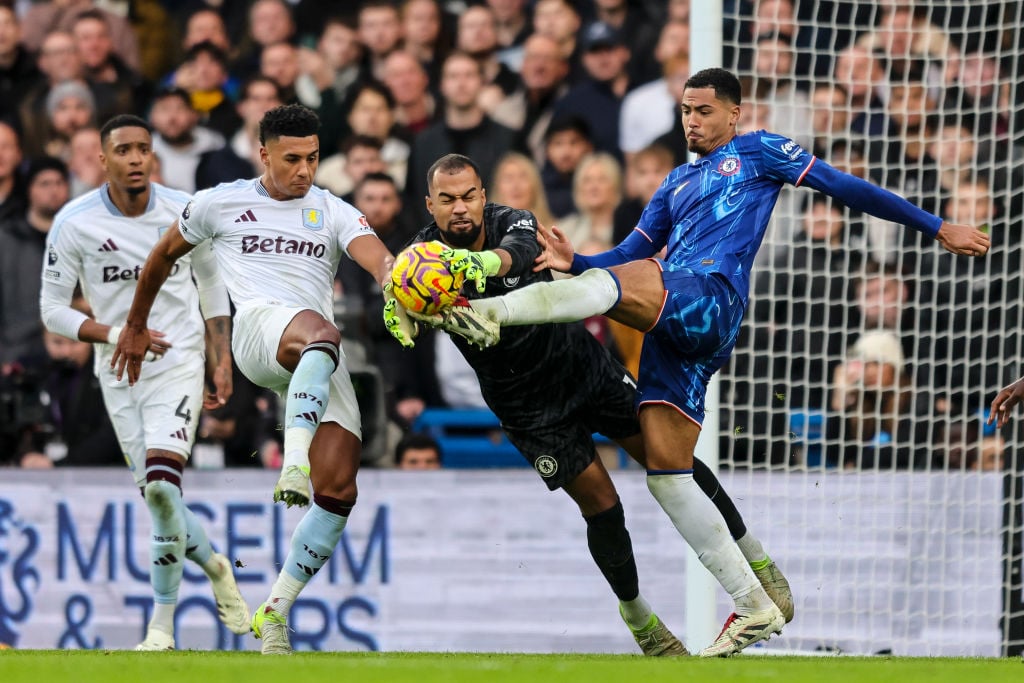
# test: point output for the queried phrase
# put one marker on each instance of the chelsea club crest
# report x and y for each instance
(729, 166)
(313, 218)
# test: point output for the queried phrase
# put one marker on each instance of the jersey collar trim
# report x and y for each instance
(114, 211)
(258, 184)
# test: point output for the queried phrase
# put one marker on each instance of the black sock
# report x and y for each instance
(612, 550)
(709, 484)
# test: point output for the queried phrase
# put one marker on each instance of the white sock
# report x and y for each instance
(163, 617)
(702, 525)
(751, 548)
(298, 440)
(561, 301)
(284, 592)
(636, 613)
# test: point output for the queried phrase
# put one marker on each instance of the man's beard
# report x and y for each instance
(136, 191)
(462, 240)
(179, 140)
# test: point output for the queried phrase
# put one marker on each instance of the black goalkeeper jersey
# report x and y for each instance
(531, 363)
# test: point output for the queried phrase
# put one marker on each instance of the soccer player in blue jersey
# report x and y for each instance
(711, 215)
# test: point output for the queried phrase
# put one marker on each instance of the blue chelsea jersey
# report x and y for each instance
(712, 214)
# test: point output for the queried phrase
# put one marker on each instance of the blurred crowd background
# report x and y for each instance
(863, 346)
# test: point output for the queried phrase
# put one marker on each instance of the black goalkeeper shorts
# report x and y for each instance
(554, 430)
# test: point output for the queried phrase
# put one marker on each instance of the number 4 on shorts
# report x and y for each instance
(182, 411)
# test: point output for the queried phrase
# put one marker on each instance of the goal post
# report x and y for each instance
(867, 352)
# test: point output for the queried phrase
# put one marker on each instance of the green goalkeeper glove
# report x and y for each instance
(397, 319)
(476, 265)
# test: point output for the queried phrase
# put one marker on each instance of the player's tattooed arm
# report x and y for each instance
(218, 362)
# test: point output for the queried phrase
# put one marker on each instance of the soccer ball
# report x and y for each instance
(422, 281)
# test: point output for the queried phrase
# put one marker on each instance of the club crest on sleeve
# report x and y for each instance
(729, 166)
(313, 218)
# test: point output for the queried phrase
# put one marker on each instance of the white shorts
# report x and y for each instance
(254, 342)
(157, 413)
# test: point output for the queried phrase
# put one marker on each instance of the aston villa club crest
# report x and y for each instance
(313, 218)
(729, 166)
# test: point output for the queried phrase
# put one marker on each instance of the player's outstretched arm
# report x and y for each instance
(965, 240)
(557, 251)
(1005, 401)
(134, 339)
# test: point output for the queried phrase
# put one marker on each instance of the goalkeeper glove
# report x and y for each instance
(397, 320)
(476, 265)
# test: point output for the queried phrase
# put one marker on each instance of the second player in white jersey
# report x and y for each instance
(272, 251)
(94, 244)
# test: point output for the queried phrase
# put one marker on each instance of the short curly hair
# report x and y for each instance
(289, 120)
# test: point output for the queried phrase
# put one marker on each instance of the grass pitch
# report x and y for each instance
(106, 666)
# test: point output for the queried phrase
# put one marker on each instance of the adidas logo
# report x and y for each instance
(308, 571)
(247, 217)
(180, 434)
(167, 559)
(309, 417)
(109, 245)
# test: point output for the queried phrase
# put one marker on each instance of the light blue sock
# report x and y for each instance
(313, 541)
(308, 391)
(166, 548)
(197, 548)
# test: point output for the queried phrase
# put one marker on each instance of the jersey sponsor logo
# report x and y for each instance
(51, 256)
(791, 149)
(313, 218)
(521, 224)
(679, 189)
(187, 211)
(546, 466)
(109, 245)
(247, 217)
(729, 166)
(122, 274)
(254, 244)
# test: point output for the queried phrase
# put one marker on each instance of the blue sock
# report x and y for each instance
(308, 392)
(197, 548)
(166, 547)
(313, 541)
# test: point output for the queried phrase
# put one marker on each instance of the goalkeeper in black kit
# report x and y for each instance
(554, 385)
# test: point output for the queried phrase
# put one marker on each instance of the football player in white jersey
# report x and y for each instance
(277, 241)
(100, 242)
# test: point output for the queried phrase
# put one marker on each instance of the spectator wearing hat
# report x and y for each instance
(872, 426)
(70, 107)
(21, 260)
(597, 98)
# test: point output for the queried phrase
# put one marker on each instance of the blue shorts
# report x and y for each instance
(692, 338)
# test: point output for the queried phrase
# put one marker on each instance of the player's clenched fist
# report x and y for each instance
(476, 265)
(397, 320)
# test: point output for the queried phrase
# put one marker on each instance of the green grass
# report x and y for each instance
(46, 666)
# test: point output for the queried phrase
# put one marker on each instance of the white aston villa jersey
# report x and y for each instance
(274, 252)
(94, 244)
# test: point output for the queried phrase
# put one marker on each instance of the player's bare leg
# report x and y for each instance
(612, 550)
(334, 461)
(309, 348)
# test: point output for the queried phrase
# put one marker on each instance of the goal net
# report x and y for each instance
(869, 355)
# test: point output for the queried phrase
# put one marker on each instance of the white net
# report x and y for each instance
(866, 347)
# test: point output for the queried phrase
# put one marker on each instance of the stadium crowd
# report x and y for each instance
(862, 346)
